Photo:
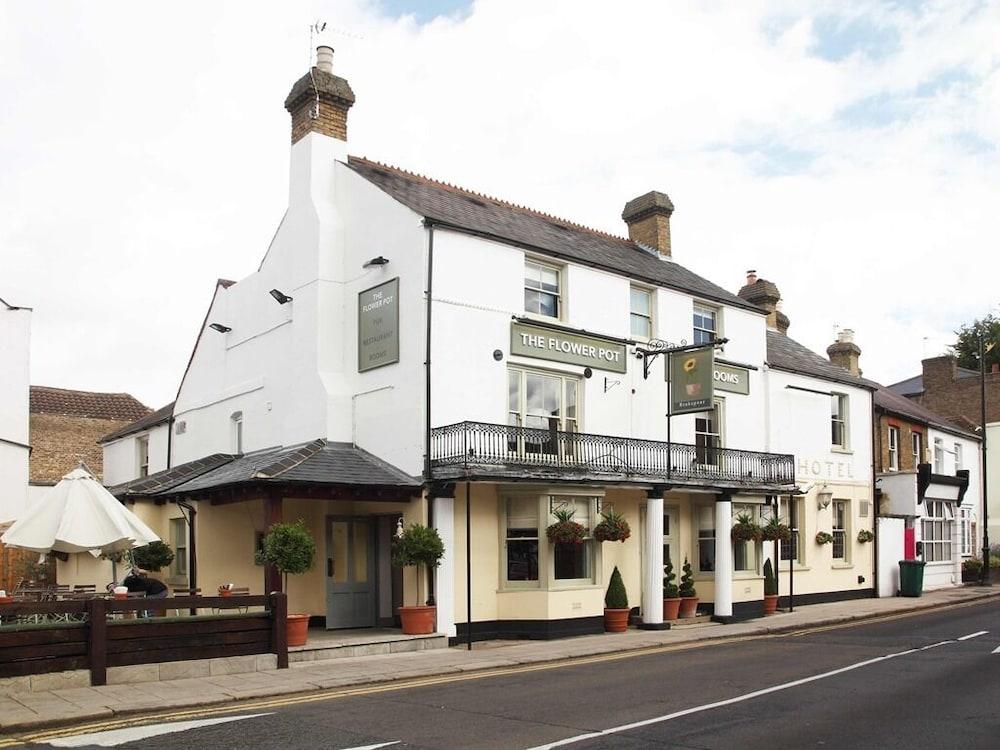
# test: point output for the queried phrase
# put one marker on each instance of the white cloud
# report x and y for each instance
(145, 152)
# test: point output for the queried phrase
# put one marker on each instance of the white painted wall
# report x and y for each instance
(890, 552)
(121, 457)
(15, 342)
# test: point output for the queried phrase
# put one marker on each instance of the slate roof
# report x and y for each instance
(152, 419)
(788, 354)
(65, 402)
(498, 219)
(915, 386)
(889, 401)
(318, 463)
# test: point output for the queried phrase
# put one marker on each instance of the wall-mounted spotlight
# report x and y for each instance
(379, 261)
(280, 297)
(219, 327)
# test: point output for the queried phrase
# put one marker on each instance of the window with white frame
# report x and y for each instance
(918, 447)
(706, 324)
(641, 312)
(574, 562)
(959, 463)
(841, 530)
(965, 514)
(179, 538)
(745, 553)
(938, 455)
(542, 294)
(542, 402)
(708, 435)
(838, 420)
(791, 549)
(521, 540)
(142, 455)
(705, 516)
(936, 526)
(236, 430)
(893, 448)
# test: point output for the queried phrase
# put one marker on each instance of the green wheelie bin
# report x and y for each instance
(911, 577)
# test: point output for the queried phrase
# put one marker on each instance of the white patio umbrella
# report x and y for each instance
(78, 515)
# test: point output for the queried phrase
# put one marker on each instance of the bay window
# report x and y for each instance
(521, 540)
(937, 526)
(574, 562)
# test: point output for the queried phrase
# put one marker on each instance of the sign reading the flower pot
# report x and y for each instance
(583, 349)
(378, 326)
(731, 379)
(692, 380)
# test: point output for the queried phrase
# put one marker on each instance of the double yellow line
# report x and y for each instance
(418, 682)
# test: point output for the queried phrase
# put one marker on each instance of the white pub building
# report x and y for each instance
(409, 350)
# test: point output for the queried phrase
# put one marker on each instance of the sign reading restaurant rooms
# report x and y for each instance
(527, 340)
(378, 326)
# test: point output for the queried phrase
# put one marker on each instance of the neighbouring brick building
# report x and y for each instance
(952, 391)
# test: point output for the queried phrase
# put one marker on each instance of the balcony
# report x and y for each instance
(479, 450)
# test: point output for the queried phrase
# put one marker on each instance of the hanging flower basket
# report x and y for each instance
(565, 530)
(865, 536)
(746, 530)
(824, 537)
(612, 528)
(775, 531)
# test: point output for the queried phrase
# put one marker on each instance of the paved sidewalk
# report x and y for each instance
(27, 710)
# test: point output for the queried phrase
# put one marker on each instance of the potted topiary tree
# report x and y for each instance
(689, 597)
(616, 605)
(671, 594)
(421, 547)
(290, 548)
(770, 589)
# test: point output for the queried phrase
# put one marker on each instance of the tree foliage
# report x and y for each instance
(289, 547)
(154, 556)
(966, 348)
(670, 590)
(418, 545)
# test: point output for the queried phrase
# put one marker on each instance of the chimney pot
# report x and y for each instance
(846, 336)
(751, 276)
(845, 353)
(324, 58)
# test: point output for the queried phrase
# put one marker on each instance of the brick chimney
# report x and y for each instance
(764, 293)
(939, 373)
(319, 100)
(845, 353)
(648, 219)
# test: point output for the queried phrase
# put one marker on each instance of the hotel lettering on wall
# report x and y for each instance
(570, 348)
(378, 326)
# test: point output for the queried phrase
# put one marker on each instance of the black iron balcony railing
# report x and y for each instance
(471, 447)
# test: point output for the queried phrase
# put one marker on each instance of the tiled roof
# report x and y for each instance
(498, 219)
(319, 462)
(788, 354)
(915, 385)
(887, 400)
(118, 406)
(152, 419)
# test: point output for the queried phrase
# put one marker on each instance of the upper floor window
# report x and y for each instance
(542, 289)
(641, 312)
(708, 434)
(706, 324)
(838, 420)
(142, 454)
(938, 456)
(237, 431)
(893, 449)
(959, 464)
(918, 447)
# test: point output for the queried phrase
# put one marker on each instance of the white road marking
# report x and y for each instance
(116, 737)
(373, 747)
(738, 698)
(973, 635)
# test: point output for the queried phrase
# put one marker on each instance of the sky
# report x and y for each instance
(846, 151)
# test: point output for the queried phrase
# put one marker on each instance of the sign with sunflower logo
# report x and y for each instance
(691, 380)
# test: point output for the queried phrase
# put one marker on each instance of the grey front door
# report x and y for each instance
(350, 573)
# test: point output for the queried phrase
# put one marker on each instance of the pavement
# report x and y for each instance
(23, 711)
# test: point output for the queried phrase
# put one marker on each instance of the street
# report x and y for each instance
(921, 681)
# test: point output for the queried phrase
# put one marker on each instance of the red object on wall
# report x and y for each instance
(910, 544)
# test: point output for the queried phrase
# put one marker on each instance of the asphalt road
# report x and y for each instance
(907, 683)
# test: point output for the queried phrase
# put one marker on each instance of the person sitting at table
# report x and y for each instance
(139, 581)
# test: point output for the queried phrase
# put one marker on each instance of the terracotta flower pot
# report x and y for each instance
(770, 604)
(615, 620)
(671, 608)
(120, 597)
(298, 629)
(689, 606)
(418, 620)
(225, 592)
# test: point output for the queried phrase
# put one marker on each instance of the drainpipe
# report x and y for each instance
(876, 444)
(427, 393)
(192, 546)
(170, 435)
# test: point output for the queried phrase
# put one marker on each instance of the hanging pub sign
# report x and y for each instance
(725, 377)
(378, 326)
(691, 380)
(527, 340)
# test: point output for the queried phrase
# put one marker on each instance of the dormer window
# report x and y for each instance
(542, 290)
(236, 420)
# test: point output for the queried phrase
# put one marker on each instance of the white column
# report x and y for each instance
(652, 576)
(723, 557)
(444, 574)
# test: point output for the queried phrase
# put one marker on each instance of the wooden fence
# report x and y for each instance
(95, 633)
